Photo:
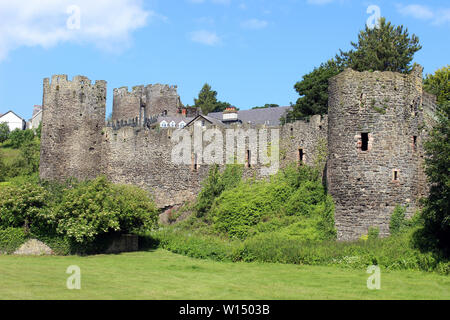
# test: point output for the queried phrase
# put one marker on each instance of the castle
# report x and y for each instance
(370, 144)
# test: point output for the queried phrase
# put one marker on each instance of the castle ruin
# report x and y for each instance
(372, 138)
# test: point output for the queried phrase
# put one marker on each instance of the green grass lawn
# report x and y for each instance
(163, 275)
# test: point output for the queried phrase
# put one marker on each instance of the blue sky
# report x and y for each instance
(251, 51)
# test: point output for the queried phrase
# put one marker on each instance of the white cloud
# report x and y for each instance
(205, 37)
(107, 24)
(254, 24)
(422, 12)
(416, 11)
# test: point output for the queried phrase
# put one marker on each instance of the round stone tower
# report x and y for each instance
(73, 117)
(375, 141)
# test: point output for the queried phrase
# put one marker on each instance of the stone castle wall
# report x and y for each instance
(368, 179)
(143, 157)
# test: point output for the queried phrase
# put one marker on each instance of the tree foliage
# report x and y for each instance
(4, 132)
(267, 106)
(207, 101)
(439, 84)
(436, 214)
(214, 185)
(21, 204)
(387, 48)
(98, 207)
(18, 137)
(313, 90)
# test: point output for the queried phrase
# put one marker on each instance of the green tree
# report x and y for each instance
(386, 48)
(267, 106)
(439, 84)
(21, 205)
(4, 132)
(99, 207)
(19, 137)
(313, 90)
(436, 214)
(207, 101)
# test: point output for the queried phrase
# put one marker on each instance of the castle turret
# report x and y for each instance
(375, 141)
(144, 102)
(72, 121)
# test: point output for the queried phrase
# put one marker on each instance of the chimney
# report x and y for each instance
(230, 114)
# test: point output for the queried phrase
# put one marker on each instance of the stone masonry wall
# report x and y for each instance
(143, 157)
(142, 102)
(367, 185)
(72, 121)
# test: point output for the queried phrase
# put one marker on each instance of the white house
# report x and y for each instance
(13, 121)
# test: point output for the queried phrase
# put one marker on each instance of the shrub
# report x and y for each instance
(21, 205)
(11, 239)
(17, 138)
(373, 234)
(253, 207)
(4, 132)
(398, 221)
(214, 185)
(98, 207)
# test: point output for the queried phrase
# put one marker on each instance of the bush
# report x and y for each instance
(18, 138)
(398, 221)
(214, 185)
(98, 207)
(260, 206)
(4, 132)
(11, 239)
(21, 205)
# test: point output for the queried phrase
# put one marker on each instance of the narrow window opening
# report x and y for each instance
(194, 162)
(396, 176)
(248, 159)
(301, 156)
(82, 97)
(415, 143)
(364, 141)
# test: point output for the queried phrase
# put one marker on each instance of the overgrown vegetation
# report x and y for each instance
(288, 219)
(435, 233)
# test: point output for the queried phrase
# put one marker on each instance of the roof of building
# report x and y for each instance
(267, 116)
(211, 120)
(10, 111)
(176, 119)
